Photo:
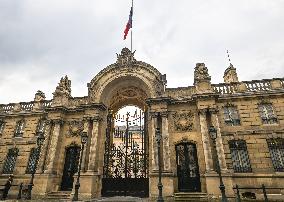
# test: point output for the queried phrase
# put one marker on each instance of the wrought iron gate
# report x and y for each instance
(125, 170)
(187, 168)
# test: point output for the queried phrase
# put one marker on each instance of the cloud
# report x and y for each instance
(41, 41)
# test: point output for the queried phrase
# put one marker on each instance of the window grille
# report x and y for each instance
(34, 155)
(276, 149)
(2, 125)
(240, 157)
(231, 116)
(267, 114)
(41, 126)
(19, 128)
(10, 161)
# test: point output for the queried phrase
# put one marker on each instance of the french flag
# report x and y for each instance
(129, 23)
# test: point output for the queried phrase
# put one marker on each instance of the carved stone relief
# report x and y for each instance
(183, 121)
(75, 128)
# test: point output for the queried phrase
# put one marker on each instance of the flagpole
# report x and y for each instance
(131, 26)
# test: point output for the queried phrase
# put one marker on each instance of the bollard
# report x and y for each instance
(238, 194)
(264, 193)
(20, 192)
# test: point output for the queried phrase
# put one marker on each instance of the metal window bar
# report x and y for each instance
(231, 116)
(41, 126)
(32, 161)
(276, 149)
(267, 114)
(240, 157)
(10, 161)
(19, 128)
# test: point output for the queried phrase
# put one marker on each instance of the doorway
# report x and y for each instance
(72, 155)
(187, 167)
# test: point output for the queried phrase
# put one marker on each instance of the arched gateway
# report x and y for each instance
(126, 148)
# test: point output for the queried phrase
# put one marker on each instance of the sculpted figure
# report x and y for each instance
(201, 72)
(64, 87)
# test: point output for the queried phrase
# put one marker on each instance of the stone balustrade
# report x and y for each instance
(24, 106)
(249, 86)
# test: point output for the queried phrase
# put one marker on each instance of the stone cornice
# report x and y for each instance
(99, 106)
(158, 100)
(22, 114)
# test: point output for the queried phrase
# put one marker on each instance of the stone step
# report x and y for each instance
(59, 195)
(190, 196)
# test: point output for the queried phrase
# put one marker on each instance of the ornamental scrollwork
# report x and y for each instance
(183, 122)
(75, 128)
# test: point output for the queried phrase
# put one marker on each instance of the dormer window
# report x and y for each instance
(20, 128)
(231, 116)
(267, 113)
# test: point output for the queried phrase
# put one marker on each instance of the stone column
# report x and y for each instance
(44, 151)
(154, 153)
(166, 142)
(53, 146)
(205, 141)
(93, 144)
(219, 142)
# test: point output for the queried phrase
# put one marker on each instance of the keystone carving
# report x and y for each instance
(183, 122)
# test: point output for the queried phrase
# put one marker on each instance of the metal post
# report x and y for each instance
(160, 185)
(264, 193)
(222, 186)
(238, 193)
(77, 185)
(31, 184)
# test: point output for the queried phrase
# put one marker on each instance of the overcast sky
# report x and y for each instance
(43, 40)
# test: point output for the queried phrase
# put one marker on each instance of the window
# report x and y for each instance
(276, 149)
(231, 116)
(2, 125)
(267, 114)
(41, 126)
(10, 162)
(239, 154)
(32, 161)
(19, 128)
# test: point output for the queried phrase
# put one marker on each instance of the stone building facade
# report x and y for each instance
(247, 115)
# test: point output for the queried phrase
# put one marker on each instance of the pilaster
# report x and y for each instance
(53, 146)
(219, 141)
(206, 140)
(166, 141)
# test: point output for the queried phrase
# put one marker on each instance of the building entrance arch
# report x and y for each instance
(125, 163)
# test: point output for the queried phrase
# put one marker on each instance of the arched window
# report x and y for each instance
(10, 161)
(276, 149)
(32, 160)
(240, 157)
